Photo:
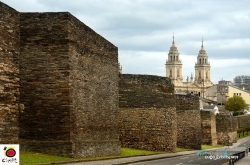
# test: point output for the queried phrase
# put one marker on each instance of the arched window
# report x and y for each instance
(171, 58)
(200, 61)
(205, 61)
(199, 74)
(206, 75)
(174, 58)
(170, 75)
(178, 73)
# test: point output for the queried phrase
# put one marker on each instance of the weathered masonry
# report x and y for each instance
(68, 85)
(226, 128)
(188, 122)
(9, 70)
(208, 127)
(152, 117)
(147, 113)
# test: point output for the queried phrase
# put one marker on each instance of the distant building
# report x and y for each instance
(233, 90)
(196, 85)
(224, 90)
(242, 80)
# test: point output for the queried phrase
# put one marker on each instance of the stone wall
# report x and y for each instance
(208, 127)
(9, 70)
(188, 122)
(93, 85)
(69, 86)
(44, 87)
(226, 126)
(147, 116)
(243, 121)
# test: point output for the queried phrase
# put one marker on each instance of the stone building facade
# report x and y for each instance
(71, 104)
(196, 85)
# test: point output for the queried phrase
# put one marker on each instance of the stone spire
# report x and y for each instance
(202, 68)
(202, 47)
(202, 52)
(174, 65)
(191, 78)
(119, 68)
(173, 39)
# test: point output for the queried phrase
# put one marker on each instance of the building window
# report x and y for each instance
(171, 58)
(170, 73)
(239, 94)
(200, 61)
(234, 94)
(199, 74)
(178, 73)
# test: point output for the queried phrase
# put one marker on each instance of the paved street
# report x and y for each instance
(183, 160)
(180, 158)
(194, 159)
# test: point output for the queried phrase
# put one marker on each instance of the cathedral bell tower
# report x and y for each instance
(202, 69)
(174, 66)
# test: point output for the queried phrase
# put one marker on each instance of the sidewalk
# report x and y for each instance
(240, 141)
(123, 161)
(244, 161)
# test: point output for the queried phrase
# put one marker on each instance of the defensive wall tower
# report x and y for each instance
(68, 85)
(188, 121)
(147, 113)
(9, 74)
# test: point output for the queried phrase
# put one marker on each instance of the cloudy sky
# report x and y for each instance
(142, 31)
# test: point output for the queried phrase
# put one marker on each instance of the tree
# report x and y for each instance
(236, 103)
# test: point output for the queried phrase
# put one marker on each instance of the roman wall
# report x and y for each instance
(243, 121)
(226, 129)
(188, 122)
(208, 127)
(93, 81)
(147, 113)
(9, 74)
(69, 86)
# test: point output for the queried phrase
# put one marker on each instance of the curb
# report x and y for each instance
(146, 159)
(124, 163)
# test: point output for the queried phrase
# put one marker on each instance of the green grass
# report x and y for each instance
(182, 149)
(204, 147)
(240, 135)
(135, 152)
(29, 158)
